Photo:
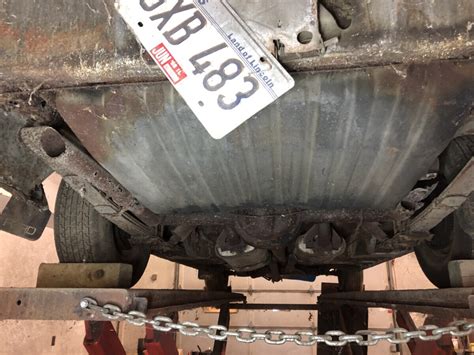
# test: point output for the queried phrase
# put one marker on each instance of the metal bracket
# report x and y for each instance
(447, 202)
(445, 302)
(272, 21)
(24, 218)
(63, 303)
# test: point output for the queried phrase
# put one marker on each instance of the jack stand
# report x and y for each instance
(157, 343)
(102, 339)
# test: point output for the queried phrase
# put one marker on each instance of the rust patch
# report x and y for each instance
(65, 43)
(32, 44)
(86, 120)
(97, 115)
(8, 39)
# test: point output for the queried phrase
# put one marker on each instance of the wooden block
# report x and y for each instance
(461, 273)
(84, 276)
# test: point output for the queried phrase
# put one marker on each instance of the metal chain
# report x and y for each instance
(278, 337)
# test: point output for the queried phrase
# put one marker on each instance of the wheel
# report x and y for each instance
(453, 238)
(82, 235)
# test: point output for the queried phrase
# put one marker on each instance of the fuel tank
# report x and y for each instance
(342, 139)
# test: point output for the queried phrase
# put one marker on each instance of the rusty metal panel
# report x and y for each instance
(356, 139)
(84, 275)
(57, 304)
(63, 303)
(59, 43)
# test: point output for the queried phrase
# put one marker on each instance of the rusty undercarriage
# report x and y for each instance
(342, 173)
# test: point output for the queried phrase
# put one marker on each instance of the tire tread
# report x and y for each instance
(72, 226)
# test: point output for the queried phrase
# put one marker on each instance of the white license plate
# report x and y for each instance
(210, 56)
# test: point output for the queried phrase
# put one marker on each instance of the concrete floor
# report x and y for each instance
(21, 258)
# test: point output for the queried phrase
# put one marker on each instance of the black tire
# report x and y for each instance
(453, 238)
(82, 235)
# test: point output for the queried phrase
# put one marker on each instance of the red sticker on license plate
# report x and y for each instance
(167, 62)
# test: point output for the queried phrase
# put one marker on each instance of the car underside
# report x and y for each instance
(340, 174)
